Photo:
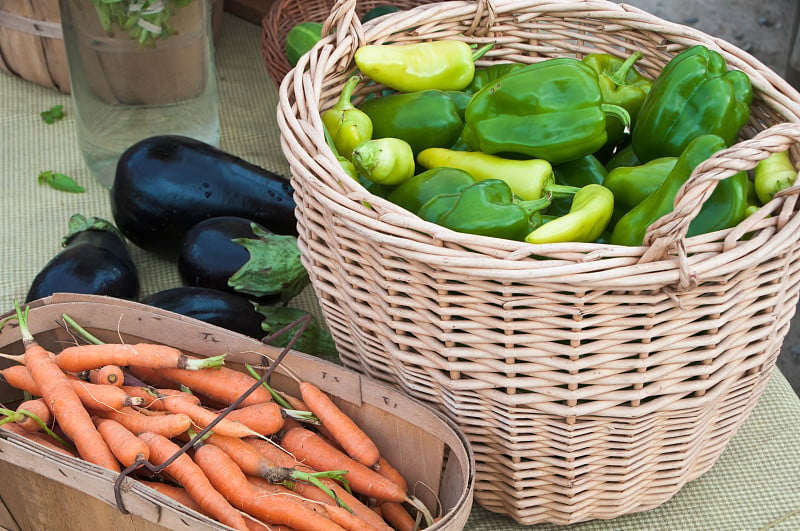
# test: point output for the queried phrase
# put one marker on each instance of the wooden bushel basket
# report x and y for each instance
(592, 380)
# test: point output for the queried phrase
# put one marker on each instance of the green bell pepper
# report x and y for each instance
(632, 184)
(551, 110)
(772, 175)
(443, 64)
(694, 94)
(724, 208)
(577, 173)
(486, 208)
(623, 157)
(586, 220)
(426, 185)
(530, 179)
(489, 74)
(346, 124)
(621, 84)
(384, 160)
(427, 118)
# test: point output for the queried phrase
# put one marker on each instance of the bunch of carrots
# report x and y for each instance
(205, 435)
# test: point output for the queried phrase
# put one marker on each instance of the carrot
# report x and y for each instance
(228, 478)
(265, 418)
(253, 463)
(126, 446)
(107, 374)
(355, 442)
(223, 384)
(279, 457)
(311, 449)
(186, 472)
(155, 398)
(397, 516)
(169, 426)
(37, 407)
(60, 395)
(91, 395)
(86, 357)
(178, 402)
(387, 470)
(40, 438)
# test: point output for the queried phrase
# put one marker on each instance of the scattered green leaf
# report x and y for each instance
(53, 114)
(60, 181)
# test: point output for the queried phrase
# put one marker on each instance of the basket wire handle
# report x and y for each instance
(669, 232)
(343, 22)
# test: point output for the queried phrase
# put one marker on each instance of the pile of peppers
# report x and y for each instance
(560, 150)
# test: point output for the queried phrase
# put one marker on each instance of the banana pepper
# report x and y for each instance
(586, 220)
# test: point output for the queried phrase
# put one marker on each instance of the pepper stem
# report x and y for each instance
(619, 76)
(344, 103)
(560, 190)
(480, 52)
(620, 113)
(535, 205)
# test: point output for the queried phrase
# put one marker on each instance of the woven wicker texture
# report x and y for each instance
(285, 14)
(592, 380)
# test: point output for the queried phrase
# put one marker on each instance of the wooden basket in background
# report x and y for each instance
(592, 380)
(31, 45)
(285, 14)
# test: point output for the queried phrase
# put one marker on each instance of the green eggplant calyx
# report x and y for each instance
(79, 223)
(274, 266)
(621, 75)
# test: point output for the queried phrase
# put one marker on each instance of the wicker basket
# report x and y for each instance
(592, 380)
(285, 14)
(31, 45)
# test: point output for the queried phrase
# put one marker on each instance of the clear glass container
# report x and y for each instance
(138, 68)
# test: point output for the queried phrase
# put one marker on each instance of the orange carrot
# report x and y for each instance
(397, 516)
(228, 478)
(40, 438)
(222, 384)
(86, 357)
(169, 426)
(60, 395)
(108, 375)
(38, 407)
(308, 447)
(355, 442)
(91, 395)
(155, 398)
(387, 470)
(184, 471)
(277, 456)
(126, 446)
(264, 418)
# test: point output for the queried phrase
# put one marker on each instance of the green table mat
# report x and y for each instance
(754, 485)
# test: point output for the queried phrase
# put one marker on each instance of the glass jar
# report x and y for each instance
(138, 68)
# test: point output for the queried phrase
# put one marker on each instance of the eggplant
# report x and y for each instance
(240, 256)
(94, 260)
(166, 184)
(239, 314)
(220, 308)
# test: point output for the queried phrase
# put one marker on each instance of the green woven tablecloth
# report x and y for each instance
(754, 485)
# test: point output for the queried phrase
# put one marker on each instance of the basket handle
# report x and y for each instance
(344, 23)
(669, 231)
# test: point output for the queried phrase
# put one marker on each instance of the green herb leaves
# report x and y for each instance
(53, 114)
(143, 20)
(59, 181)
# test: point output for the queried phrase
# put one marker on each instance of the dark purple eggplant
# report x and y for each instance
(240, 256)
(94, 260)
(166, 184)
(220, 308)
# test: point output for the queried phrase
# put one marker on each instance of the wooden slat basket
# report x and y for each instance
(31, 42)
(592, 380)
